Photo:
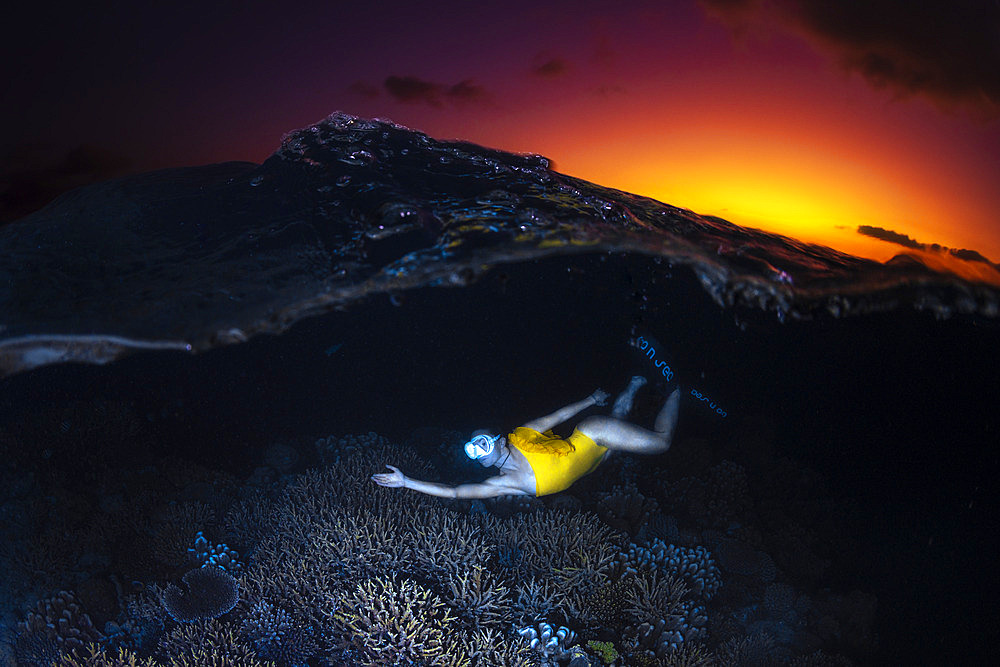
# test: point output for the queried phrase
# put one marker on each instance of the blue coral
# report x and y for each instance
(220, 555)
(694, 565)
(276, 637)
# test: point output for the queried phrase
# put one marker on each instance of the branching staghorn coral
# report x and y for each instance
(690, 655)
(321, 548)
(662, 619)
(477, 597)
(572, 550)
(536, 599)
(332, 449)
(442, 543)
(171, 532)
(820, 659)
(755, 649)
(489, 647)
(559, 539)
(276, 636)
(392, 622)
(310, 588)
(248, 520)
(205, 643)
(317, 497)
(655, 595)
(93, 656)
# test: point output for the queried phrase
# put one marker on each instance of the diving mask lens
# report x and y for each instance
(479, 446)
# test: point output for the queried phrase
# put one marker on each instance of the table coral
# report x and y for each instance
(211, 592)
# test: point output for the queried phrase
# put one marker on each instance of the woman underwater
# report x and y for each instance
(534, 461)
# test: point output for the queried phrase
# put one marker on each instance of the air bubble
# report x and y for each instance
(256, 180)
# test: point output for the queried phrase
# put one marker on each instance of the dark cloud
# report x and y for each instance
(902, 239)
(414, 90)
(550, 67)
(970, 256)
(947, 51)
(34, 174)
(890, 236)
(466, 91)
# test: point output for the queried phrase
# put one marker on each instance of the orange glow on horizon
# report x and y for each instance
(815, 181)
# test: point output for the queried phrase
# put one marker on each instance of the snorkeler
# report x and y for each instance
(534, 461)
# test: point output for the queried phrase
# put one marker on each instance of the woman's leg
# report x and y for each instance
(619, 435)
(623, 404)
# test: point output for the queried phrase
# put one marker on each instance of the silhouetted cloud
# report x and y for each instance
(970, 256)
(466, 91)
(411, 89)
(550, 67)
(902, 239)
(947, 51)
(33, 175)
(890, 236)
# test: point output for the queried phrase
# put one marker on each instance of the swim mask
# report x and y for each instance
(480, 446)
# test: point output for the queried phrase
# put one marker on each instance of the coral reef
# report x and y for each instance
(276, 636)
(604, 650)
(61, 620)
(211, 592)
(216, 555)
(716, 499)
(393, 622)
(93, 656)
(605, 606)
(491, 647)
(694, 565)
(281, 457)
(537, 598)
(334, 570)
(332, 449)
(739, 558)
(551, 643)
(625, 509)
(755, 649)
(477, 597)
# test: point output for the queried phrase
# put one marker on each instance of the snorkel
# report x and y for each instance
(481, 445)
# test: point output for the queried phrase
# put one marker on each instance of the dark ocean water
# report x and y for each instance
(245, 324)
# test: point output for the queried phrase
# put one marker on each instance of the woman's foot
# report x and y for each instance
(623, 404)
(666, 420)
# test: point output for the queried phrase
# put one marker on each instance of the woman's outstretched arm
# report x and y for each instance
(559, 416)
(490, 488)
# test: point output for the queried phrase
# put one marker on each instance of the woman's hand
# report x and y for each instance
(599, 397)
(393, 480)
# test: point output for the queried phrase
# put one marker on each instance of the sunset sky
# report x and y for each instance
(810, 118)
